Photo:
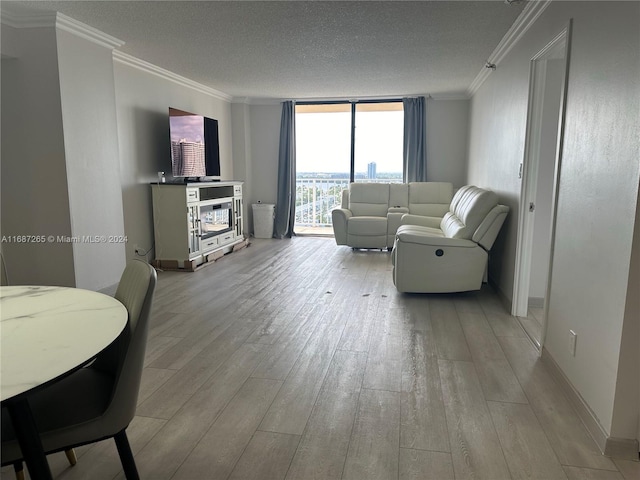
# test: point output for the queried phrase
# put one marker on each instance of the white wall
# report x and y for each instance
(626, 414)
(256, 138)
(93, 167)
(34, 176)
(143, 100)
(598, 185)
(497, 123)
(447, 125)
(60, 159)
(265, 145)
(240, 118)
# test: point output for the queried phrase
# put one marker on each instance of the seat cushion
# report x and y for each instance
(367, 226)
(409, 231)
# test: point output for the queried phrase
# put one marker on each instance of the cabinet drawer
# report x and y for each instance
(226, 238)
(209, 243)
(193, 194)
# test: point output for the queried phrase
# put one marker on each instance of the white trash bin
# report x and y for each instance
(263, 215)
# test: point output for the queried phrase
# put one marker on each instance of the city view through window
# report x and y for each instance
(323, 155)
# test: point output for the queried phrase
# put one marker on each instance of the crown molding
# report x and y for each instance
(450, 96)
(257, 100)
(278, 101)
(87, 32)
(523, 23)
(152, 69)
(32, 20)
(61, 22)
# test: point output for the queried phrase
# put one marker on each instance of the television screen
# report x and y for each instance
(195, 149)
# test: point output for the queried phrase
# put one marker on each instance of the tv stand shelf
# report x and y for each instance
(195, 223)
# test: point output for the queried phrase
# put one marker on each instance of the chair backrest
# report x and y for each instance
(469, 207)
(369, 199)
(135, 291)
(345, 198)
(431, 199)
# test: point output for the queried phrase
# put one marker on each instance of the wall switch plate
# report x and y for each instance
(572, 342)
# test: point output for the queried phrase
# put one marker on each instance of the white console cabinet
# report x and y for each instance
(195, 222)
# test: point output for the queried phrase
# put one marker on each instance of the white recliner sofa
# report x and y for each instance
(371, 213)
(449, 255)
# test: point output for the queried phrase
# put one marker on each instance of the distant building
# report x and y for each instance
(371, 170)
(187, 159)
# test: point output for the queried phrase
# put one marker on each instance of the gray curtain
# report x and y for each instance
(414, 152)
(286, 202)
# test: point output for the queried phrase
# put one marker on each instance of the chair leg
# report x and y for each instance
(18, 467)
(126, 456)
(71, 456)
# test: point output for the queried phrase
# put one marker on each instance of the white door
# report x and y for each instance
(540, 173)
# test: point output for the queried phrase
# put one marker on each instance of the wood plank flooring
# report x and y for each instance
(298, 360)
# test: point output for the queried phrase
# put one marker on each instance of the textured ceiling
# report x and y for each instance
(305, 49)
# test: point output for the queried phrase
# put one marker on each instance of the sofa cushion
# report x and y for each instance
(469, 207)
(369, 199)
(367, 226)
(430, 199)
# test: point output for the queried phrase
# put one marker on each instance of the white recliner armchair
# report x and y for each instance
(450, 256)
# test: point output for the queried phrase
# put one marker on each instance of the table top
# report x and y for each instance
(46, 332)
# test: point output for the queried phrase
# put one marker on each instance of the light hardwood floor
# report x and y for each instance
(297, 359)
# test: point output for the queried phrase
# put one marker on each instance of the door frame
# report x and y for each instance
(529, 169)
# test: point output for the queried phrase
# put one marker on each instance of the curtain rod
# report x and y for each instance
(332, 101)
(336, 102)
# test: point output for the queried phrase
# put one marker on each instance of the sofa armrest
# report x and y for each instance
(340, 217)
(393, 222)
(432, 222)
(423, 236)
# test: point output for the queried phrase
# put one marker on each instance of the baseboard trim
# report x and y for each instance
(626, 449)
(623, 448)
(536, 302)
(583, 410)
(503, 298)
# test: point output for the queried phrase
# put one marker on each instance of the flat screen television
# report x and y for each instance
(195, 147)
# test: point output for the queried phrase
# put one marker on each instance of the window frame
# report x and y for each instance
(353, 104)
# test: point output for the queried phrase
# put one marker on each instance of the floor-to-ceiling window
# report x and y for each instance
(378, 142)
(338, 143)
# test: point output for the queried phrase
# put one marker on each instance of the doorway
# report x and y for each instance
(540, 174)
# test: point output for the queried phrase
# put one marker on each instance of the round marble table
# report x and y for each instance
(45, 333)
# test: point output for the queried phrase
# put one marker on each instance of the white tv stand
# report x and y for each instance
(195, 223)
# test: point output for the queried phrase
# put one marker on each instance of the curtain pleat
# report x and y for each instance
(285, 206)
(414, 144)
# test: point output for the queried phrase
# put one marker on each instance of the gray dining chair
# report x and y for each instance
(96, 402)
(4, 276)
